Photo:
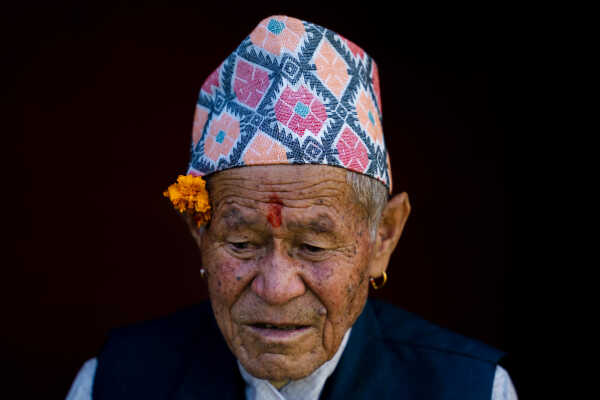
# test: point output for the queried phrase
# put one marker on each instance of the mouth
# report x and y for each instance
(286, 327)
(279, 332)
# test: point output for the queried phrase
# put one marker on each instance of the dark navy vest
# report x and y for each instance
(391, 354)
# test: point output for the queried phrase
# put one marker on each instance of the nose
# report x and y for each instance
(278, 280)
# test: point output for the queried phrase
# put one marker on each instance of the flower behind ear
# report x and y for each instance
(189, 195)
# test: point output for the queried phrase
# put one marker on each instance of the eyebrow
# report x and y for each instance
(234, 219)
(321, 224)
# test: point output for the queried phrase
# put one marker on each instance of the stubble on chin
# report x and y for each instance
(273, 360)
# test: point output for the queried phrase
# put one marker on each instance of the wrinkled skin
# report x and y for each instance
(289, 245)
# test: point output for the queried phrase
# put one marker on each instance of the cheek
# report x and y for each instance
(344, 297)
(338, 284)
(225, 286)
(224, 276)
(345, 293)
(356, 294)
(344, 283)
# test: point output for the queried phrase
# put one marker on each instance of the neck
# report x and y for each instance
(279, 384)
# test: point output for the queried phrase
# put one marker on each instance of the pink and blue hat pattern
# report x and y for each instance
(293, 92)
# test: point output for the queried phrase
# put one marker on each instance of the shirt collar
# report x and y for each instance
(308, 388)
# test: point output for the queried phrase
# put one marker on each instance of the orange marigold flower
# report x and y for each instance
(189, 195)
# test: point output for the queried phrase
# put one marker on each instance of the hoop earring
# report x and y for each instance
(382, 284)
(202, 273)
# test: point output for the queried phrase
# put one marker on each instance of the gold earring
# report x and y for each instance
(382, 284)
(202, 273)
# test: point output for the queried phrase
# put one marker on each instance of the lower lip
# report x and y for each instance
(280, 334)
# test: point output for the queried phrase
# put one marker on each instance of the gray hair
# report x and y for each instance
(372, 195)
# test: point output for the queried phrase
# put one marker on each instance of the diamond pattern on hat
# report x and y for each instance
(331, 68)
(251, 83)
(300, 110)
(212, 81)
(354, 49)
(369, 117)
(352, 151)
(278, 33)
(264, 150)
(223, 132)
(376, 89)
(292, 92)
(200, 118)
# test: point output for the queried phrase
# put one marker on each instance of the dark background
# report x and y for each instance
(102, 96)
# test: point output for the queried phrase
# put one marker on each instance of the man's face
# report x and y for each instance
(287, 255)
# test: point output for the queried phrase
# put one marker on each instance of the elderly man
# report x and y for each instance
(294, 225)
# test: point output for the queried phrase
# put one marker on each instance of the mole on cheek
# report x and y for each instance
(274, 215)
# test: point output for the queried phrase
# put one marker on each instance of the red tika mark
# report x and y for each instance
(274, 216)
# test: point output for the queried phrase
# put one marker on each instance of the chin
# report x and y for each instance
(278, 367)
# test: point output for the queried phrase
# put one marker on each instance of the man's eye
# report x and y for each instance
(312, 249)
(240, 245)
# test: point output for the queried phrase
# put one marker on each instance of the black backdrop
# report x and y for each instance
(103, 95)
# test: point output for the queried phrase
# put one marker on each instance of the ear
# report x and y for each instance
(389, 231)
(197, 233)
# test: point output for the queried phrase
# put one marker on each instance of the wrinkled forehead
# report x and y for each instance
(287, 185)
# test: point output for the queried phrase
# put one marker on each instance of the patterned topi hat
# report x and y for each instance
(293, 92)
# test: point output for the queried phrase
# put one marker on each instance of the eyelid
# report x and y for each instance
(307, 245)
(235, 243)
(244, 253)
(313, 256)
